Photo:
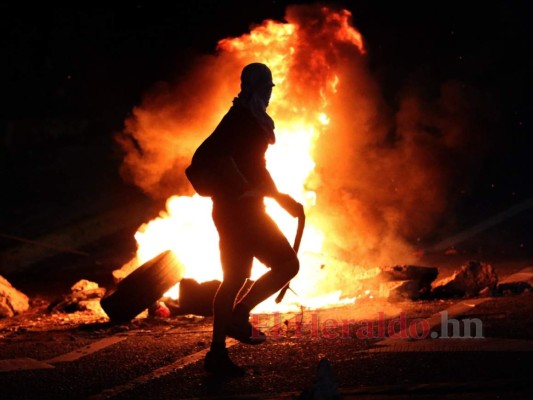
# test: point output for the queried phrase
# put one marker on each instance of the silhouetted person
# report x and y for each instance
(235, 155)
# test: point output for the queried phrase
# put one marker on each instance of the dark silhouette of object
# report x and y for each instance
(230, 167)
(142, 288)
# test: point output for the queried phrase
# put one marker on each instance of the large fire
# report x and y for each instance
(363, 194)
(300, 106)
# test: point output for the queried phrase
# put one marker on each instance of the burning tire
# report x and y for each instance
(142, 288)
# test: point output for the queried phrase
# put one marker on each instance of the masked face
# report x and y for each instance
(256, 79)
(265, 93)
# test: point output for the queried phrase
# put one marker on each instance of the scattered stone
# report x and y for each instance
(470, 280)
(83, 286)
(85, 296)
(12, 301)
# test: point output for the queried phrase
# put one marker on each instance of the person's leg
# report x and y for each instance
(229, 319)
(272, 248)
(223, 306)
(270, 282)
(217, 360)
(236, 262)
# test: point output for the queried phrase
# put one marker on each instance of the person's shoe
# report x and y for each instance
(218, 363)
(242, 330)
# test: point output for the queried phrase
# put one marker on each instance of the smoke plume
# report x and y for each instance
(384, 176)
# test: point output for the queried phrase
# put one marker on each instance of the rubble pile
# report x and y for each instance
(84, 296)
(413, 282)
(472, 279)
(12, 301)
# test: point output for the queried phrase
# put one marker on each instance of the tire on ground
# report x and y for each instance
(142, 288)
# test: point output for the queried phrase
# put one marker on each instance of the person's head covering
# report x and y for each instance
(256, 88)
(255, 77)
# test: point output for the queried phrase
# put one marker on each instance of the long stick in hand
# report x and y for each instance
(296, 246)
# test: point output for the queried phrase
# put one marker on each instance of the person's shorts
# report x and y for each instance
(247, 231)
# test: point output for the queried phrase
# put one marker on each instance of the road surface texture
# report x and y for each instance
(82, 355)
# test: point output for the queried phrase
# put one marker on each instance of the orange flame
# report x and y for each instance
(374, 175)
(301, 107)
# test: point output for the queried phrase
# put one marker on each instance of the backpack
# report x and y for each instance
(202, 179)
(213, 171)
(216, 176)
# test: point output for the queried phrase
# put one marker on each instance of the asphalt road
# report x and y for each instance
(81, 355)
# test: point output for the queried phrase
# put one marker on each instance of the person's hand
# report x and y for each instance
(290, 205)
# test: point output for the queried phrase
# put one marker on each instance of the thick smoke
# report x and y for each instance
(162, 133)
(396, 174)
(384, 176)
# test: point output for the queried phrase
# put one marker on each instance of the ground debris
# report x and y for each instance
(85, 296)
(472, 279)
(520, 282)
(159, 309)
(408, 273)
(510, 288)
(195, 298)
(414, 281)
(12, 301)
(410, 290)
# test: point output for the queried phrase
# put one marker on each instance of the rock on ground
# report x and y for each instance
(470, 280)
(12, 301)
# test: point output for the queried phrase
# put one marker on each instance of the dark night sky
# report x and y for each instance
(94, 63)
(128, 47)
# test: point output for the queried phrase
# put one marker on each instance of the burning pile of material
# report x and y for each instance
(371, 179)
